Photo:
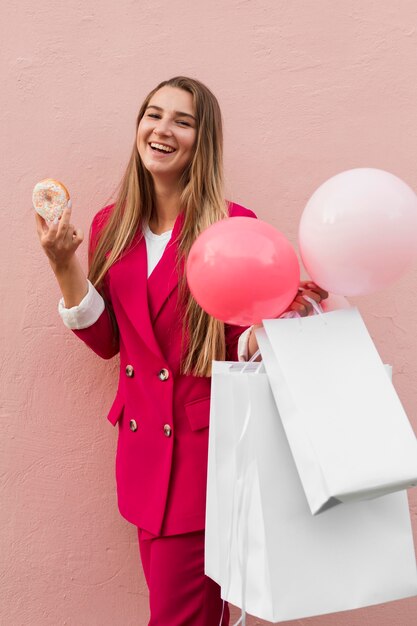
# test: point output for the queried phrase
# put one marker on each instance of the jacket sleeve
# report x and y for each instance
(85, 313)
(232, 339)
(103, 335)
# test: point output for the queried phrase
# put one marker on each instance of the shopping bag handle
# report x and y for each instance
(254, 357)
(317, 309)
(251, 360)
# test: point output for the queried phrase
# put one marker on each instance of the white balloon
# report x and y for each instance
(358, 231)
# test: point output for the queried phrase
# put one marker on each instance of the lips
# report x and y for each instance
(162, 148)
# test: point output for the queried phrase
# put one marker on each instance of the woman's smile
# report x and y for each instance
(160, 149)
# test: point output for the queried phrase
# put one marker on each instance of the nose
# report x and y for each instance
(162, 127)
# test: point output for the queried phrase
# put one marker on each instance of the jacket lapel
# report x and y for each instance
(128, 283)
(164, 277)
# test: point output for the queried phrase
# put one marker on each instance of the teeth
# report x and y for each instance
(161, 147)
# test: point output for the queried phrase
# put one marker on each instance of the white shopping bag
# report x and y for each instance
(348, 432)
(263, 547)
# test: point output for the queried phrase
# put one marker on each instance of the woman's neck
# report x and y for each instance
(167, 207)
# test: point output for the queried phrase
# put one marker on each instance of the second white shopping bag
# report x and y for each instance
(268, 553)
(347, 429)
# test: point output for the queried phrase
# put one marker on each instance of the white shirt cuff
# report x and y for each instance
(243, 345)
(86, 313)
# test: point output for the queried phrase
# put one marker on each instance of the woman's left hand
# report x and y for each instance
(299, 304)
(311, 290)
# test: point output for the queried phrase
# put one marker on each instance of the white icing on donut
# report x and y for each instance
(49, 199)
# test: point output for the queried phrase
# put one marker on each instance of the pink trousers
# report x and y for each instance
(179, 592)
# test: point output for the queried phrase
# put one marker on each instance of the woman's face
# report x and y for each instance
(167, 133)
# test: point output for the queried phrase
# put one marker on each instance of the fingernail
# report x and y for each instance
(55, 221)
(69, 203)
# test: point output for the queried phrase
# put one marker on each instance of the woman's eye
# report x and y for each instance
(154, 115)
(183, 123)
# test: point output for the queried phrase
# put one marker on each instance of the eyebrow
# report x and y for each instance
(153, 106)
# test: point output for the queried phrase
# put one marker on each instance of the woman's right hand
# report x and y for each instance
(59, 239)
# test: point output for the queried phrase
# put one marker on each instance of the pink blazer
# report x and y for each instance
(162, 416)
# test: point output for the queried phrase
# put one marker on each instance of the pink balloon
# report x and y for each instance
(242, 270)
(358, 232)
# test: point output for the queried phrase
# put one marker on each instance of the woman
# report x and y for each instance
(140, 305)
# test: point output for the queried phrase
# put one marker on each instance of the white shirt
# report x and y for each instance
(91, 306)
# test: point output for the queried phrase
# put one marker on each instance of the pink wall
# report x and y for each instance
(307, 89)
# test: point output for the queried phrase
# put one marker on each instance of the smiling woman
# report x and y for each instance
(137, 301)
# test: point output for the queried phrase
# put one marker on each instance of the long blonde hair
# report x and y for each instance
(202, 202)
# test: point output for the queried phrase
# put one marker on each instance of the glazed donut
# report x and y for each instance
(50, 197)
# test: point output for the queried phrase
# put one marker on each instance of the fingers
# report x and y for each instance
(72, 236)
(64, 222)
(309, 293)
(299, 308)
(59, 238)
(46, 230)
(61, 230)
(302, 306)
(66, 234)
(41, 225)
(49, 232)
(311, 288)
(78, 236)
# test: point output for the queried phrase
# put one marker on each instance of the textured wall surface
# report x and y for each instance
(307, 89)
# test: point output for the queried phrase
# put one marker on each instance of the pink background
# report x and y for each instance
(307, 89)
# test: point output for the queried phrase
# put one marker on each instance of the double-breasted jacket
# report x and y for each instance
(162, 415)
